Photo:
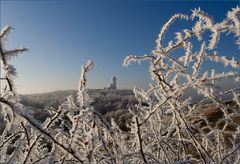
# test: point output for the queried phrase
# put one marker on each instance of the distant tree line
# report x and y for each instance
(111, 103)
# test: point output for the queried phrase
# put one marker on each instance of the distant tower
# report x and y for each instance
(113, 84)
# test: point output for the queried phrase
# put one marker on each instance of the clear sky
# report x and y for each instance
(63, 35)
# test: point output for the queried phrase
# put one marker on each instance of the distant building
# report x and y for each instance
(113, 84)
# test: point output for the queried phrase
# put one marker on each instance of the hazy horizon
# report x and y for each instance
(63, 35)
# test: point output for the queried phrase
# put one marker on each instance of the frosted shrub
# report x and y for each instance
(166, 127)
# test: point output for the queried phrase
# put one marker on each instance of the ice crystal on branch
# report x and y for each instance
(166, 126)
(172, 78)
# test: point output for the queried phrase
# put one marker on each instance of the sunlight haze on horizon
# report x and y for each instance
(64, 35)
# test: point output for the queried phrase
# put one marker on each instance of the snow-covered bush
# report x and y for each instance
(165, 126)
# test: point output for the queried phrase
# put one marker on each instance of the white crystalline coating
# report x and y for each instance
(83, 96)
(234, 16)
(165, 28)
(202, 16)
(161, 127)
(11, 70)
(4, 33)
(129, 59)
(215, 39)
(179, 37)
(200, 57)
(188, 54)
(168, 73)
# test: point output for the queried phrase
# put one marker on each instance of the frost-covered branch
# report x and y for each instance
(166, 126)
(172, 77)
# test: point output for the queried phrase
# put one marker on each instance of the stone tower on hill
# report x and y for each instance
(113, 84)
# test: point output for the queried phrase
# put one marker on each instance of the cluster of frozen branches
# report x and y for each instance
(165, 127)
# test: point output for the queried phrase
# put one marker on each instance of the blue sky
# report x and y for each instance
(63, 35)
